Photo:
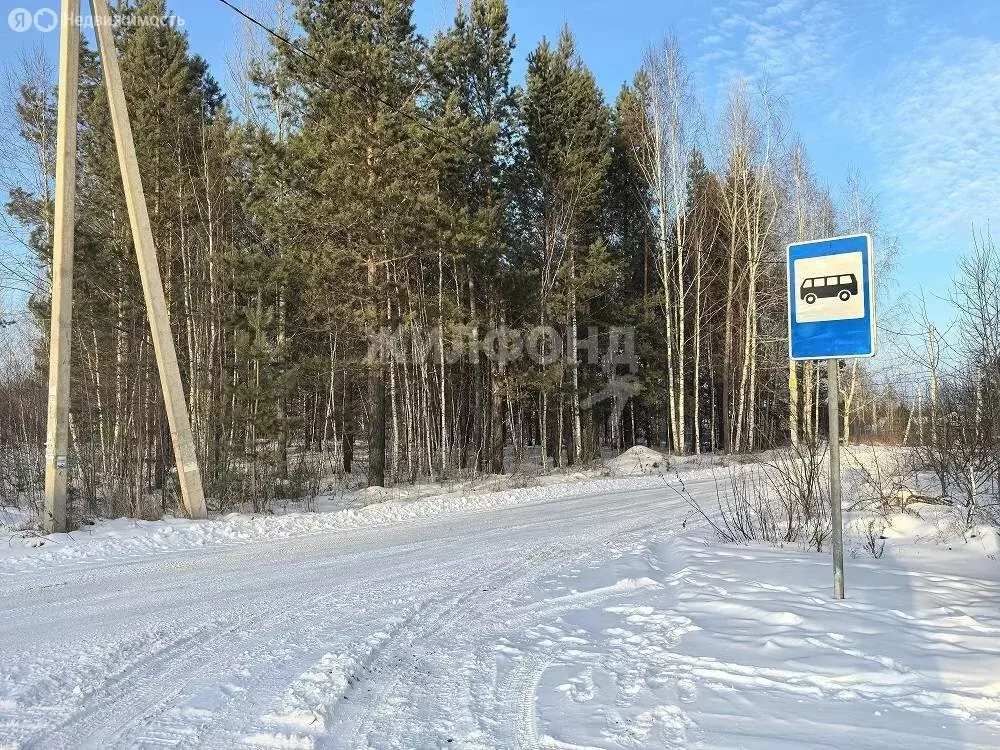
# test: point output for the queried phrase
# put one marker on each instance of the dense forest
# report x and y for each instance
(380, 249)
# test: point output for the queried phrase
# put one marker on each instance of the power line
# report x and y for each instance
(343, 76)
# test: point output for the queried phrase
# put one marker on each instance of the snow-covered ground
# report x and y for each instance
(587, 614)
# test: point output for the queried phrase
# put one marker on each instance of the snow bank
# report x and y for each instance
(126, 538)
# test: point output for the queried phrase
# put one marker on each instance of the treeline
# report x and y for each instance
(379, 249)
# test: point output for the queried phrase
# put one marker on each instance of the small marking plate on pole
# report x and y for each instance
(831, 298)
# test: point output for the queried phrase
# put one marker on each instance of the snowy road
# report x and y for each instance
(587, 621)
(199, 648)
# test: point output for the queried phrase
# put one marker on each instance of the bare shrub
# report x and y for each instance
(783, 500)
(743, 514)
(796, 479)
(934, 457)
(965, 450)
(817, 530)
(874, 541)
(973, 474)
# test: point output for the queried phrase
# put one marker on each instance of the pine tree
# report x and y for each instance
(473, 101)
(353, 193)
(629, 229)
(568, 141)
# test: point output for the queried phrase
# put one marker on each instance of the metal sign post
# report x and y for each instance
(836, 510)
(831, 316)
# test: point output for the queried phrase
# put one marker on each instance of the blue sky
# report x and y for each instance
(905, 92)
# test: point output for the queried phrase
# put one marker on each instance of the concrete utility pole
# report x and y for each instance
(833, 400)
(189, 474)
(57, 431)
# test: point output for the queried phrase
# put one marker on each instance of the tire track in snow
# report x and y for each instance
(235, 726)
(386, 665)
(121, 724)
(436, 637)
(150, 684)
(519, 692)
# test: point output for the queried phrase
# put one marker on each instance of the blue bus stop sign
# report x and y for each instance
(831, 302)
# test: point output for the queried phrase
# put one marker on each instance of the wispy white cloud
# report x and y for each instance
(794, 44)
(935, 128)
(910, 89)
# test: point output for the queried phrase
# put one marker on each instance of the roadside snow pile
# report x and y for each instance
(638, 460)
